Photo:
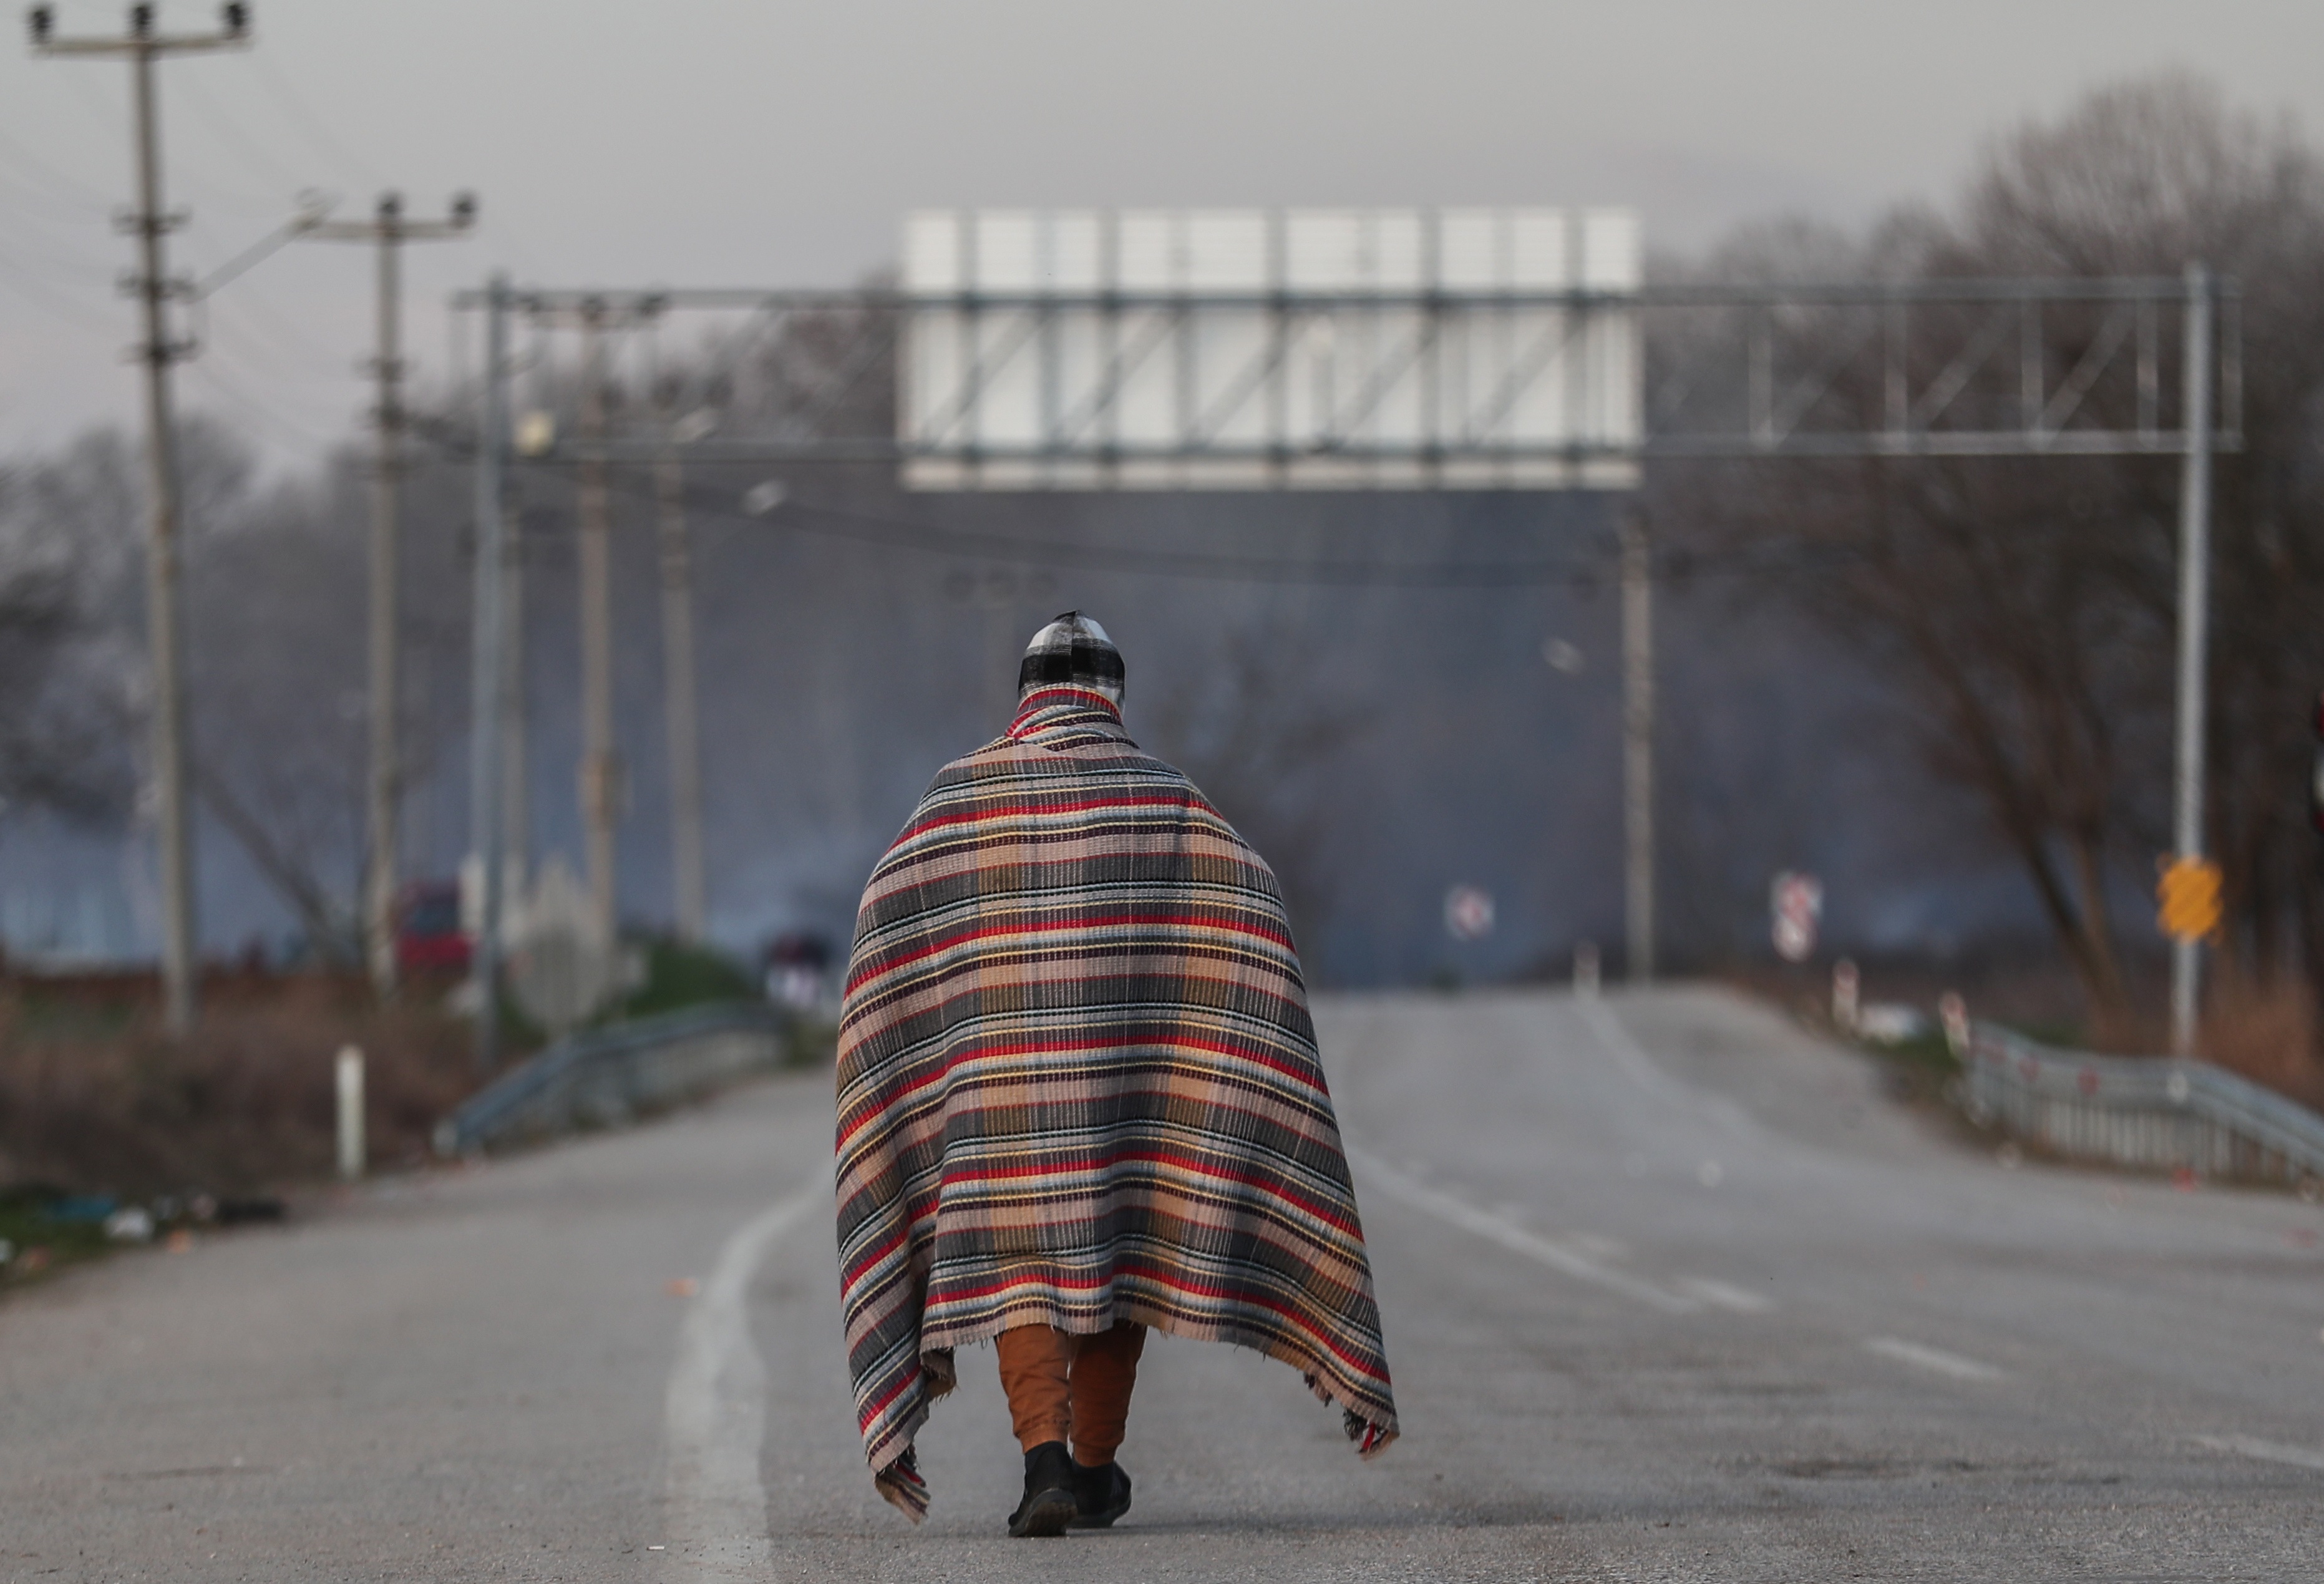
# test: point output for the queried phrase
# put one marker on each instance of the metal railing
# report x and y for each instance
(2149, 1111)
(602, 1077)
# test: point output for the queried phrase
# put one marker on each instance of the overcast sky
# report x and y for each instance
(766, 142)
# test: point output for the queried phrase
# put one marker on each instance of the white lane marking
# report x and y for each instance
(1593, 1245)
(2273, 1452)
(715, 1411)
(1628, 1053)
(1727, 1296)
(1514, 1239)
(1921, 1357)
(1642, 1070)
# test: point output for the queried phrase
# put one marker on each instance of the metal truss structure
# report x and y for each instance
(1970, 367)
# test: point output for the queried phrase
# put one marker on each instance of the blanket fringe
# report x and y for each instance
(901, 1484)
(1371, 1439)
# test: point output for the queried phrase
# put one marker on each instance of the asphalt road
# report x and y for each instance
(1671, 1292)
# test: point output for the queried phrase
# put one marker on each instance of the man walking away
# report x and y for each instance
(1079, 1098)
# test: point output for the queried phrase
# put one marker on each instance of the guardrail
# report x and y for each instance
(2137, 1110)
(605, 1076)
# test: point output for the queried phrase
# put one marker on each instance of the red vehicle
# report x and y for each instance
(429, 943)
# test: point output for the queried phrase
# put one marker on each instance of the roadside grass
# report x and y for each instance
(99, 1108)
(96, 1098)
(681, 975)
(37, 1242)
(810, 1041)
(1919, 1071)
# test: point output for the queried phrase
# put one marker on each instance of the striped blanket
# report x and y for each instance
(1078, 1084)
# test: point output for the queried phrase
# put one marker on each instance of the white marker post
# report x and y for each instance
(1847, 1003)
(351, 1114)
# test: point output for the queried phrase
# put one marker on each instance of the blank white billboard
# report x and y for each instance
(1253, 349)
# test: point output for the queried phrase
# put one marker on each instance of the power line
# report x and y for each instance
(227, 130)
(53, 175)
(901, 534)
(258, 412)
(31, 251)
(50, 300)
(897, 533)
(286, 94)
(1672, 564)
(61, 238)
(254, 318)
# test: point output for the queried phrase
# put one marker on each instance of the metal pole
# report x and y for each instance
(485, 689)
(2194, 614)
(166, 636)
(386, 756)
(689, 880)
(600, 770)
(1638, 747)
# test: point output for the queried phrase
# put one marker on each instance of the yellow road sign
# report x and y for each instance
(2189, 894)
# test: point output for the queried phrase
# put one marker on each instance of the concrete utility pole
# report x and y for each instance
(1639, 746)
(487, 690)
(2194, 619)
(689, 880)
(600, 767)
(516, 736)
(388, 231)
(516, 743)
(165, 634)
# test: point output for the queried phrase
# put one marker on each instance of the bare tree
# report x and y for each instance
(2025, 607)
(65, 526)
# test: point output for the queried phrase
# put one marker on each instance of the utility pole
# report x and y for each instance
(487, 690)
(689, 881)
(516, 739)
(601, 770)
(1639, 746)
(2194, 617)
(388, 231)
(535, 432)
(165, 634)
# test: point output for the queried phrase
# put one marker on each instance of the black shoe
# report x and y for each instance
(1049, 1503)
(1101, 1495)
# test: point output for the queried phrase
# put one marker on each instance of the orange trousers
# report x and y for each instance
(1069, 1388)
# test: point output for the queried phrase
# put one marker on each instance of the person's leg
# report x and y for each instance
(1035, 1372)
(1104, 1371)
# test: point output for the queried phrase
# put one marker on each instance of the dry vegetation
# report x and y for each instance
(93, 1098)
(2265, 1029)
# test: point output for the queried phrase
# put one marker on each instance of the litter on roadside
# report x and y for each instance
(1891, 1022)
(131, 1224)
